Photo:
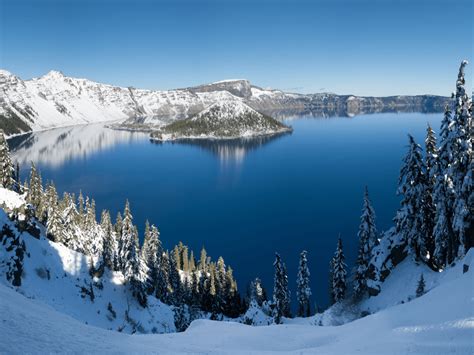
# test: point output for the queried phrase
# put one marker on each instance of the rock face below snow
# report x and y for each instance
(222, 120)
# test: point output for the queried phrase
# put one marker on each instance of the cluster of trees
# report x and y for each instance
(435, 223)
(175, 277)
(436, 217)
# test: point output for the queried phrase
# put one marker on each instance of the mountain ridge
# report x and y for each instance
(56, 100)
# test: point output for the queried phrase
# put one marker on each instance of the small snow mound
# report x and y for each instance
(10, 199)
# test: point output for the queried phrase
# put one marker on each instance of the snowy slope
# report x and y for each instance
(59, 277)
(440, 322)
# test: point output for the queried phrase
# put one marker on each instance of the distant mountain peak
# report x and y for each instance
(54, 74)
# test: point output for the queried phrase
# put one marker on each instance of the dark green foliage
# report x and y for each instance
(420, 289)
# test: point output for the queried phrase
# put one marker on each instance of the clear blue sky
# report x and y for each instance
(362, 47)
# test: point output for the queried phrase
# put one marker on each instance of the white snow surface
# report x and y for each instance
(47, 313)
(440, 322)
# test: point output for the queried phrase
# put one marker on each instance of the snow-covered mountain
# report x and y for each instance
(222, 120)
(56, 100)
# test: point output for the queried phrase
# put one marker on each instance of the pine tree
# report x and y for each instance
(256, 292)
(35, 190)
(443, 195)
(339, 273)
(464, 211)
(151, 255)
(412, 186)
(462, 165)
(163, 287)
(54, 224)
(330, 282)
(367, 241)
(420, 289)
(429, 208)
(175, 279)
(6, 166)
(109, 244)
(130, 263)
(280, 290)
(303, 291)
(203, 260)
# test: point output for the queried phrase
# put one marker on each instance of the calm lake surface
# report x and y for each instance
(244, 200)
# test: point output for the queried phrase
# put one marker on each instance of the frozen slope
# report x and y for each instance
(440, 322)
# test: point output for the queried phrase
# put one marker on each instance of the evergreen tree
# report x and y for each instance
(175, 279)
(7, 171)
(429, 208)
(464, 211)
(109, 243)
(280, 290)
(412, 186)
(462, 164)
(339, 273)
(203, 260)
(256, 292)
(303, 291)
(163, 287)
(330, 282)
(420, 289)
(151, 255)
(130, 263)
(54, 224)
(35, 190)
(443, 195)
(367, 241)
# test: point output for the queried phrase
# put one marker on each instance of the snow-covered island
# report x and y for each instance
(223, 120)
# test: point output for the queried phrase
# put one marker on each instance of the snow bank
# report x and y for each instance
(440, 322)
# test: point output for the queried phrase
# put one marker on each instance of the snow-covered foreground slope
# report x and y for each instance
(440, 322)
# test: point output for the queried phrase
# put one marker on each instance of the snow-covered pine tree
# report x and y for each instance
(109, 250)
(35, 190)
(151, 255)
(368, 239)
(420, 289)
(330, 282)
(221, 295)
(431, 161)
(412, 186)
(443, 195)
(280, 290)
(130, 263)
(162, 290)
(339, 273)
(462, 162)
(464, 211)
(54, 223)
(256, 292)
(6, 166)
(176, 297)
(303, 290)
(203, 262)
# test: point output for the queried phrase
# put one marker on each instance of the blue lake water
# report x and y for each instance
(244, 200)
